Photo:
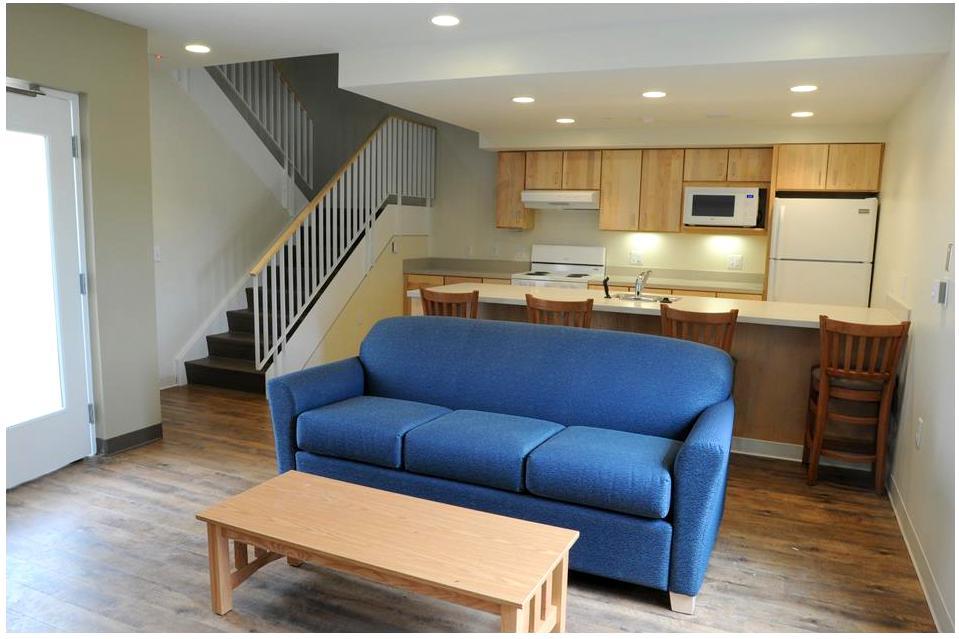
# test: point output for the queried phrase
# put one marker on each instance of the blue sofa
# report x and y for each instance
(624, 437)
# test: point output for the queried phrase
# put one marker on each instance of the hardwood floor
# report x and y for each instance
(111, 544)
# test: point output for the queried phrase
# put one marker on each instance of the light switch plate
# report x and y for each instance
(734, 262)
(635, 258)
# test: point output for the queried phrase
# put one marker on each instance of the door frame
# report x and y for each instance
(73, 99)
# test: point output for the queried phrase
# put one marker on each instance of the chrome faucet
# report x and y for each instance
(641, 281)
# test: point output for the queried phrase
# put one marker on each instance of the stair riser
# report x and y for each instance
(237, 380)
(240, 321)
(227, 348)
(266, 298)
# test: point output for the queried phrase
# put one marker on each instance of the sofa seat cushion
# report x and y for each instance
(487, 449)
(609, 469)
(366, 428)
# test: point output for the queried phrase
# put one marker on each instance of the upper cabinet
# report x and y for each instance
(829, 167)
(581, 170)
(544, 169)
(619, 190)
(748, 165)
(705, 165)
(854, 167)
(661, 190)
(801, 166)
(510, 180)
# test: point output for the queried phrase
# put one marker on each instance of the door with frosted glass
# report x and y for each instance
(45, 375)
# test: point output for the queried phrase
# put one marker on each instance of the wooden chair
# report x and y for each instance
(540, 311)
(450, 304)
(857, 377)
(712, 329)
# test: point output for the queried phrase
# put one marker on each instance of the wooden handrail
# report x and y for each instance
(296, 222)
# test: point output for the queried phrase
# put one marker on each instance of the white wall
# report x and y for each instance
(917, 220)
(212, 217)
(464, 222)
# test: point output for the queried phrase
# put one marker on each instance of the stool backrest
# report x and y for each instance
(860, 351)
(575, 313)
(712, 329)
(450, 304)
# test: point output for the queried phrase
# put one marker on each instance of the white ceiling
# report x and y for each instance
(721, 64)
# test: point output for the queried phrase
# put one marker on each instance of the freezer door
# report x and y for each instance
(824, 229)
(819, 282)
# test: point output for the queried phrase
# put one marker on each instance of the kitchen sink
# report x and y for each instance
(632, 297)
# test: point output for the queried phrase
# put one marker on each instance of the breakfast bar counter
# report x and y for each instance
(775, 346)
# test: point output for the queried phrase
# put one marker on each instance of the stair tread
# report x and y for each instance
(226, 363)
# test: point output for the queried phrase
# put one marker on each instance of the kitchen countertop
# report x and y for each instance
(618, 275)
(751, 312)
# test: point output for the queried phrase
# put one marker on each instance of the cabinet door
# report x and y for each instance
(854, 167)
(613, 288)
(510, 176)
(691, 293)
(740, 296)
(456, 279)
(581, 169)
(619, 190)
(414, 281)
(802, 166)
(496, 280)
(661, 190)
(705, 165)
(544, 169)
(749, 165)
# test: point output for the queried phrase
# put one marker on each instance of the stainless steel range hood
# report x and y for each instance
(563, 200)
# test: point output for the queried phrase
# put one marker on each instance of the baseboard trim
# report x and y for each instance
(129, 440)
(782, 450)
(934, 598)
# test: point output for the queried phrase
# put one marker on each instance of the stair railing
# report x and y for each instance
(261, 88)
(397, 161)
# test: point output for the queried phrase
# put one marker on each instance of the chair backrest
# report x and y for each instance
(712, 329)
(450, 304)
(860, 351)
(575, 313)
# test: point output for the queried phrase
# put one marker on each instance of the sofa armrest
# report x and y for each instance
(293, 394)
(699, 493)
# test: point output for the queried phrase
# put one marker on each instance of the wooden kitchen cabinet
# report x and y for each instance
(661, 190)
(456, 279)
(748, 165)
(544, 170)
(581, 170)
(705, 165)
(802, 167)
(619, 190)
(612, 288)
(691, 293)
(510, 181)
(854, 167)
(496, 280)
(741, 296)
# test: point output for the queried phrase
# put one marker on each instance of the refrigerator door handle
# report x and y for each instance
(778, 221)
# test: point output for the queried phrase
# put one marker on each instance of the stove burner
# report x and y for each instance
(536, 273)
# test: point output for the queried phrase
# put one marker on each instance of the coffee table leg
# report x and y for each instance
(560, 576)
(221, 590)
(514, 618)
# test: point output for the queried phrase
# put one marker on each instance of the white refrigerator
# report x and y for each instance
(821, 250)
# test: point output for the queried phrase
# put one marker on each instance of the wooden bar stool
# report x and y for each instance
(712, 329)
(576, 313)
(450, 304)
(853, 385)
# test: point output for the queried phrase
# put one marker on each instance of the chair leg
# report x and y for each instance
(882, 430)
(682, 603)
(819, 432)
(810, 423)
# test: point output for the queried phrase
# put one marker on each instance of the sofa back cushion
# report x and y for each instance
(605, 379)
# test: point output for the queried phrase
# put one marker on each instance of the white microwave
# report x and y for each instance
(720, 206)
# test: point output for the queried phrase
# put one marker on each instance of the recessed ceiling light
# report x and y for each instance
(565, 120)
(523, 99)
(445, 21)
(803, 88)
(197, 48)
(654, 94)
(802, 114)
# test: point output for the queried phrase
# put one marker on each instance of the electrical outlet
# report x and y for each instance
(469, 250)
(734, 262)
(156, 252)
(919, 425)
(636, 258)
(494, 250)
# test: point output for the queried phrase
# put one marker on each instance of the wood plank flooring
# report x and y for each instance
(111, 544)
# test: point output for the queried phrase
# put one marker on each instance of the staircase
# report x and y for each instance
(395, 164)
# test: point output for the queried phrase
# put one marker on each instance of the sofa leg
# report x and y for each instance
(682, 603)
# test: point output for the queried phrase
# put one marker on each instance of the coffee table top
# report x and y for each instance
(496, 558)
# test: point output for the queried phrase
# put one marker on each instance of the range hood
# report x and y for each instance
(564, 200)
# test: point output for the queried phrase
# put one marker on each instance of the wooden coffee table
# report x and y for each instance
(512, 568)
